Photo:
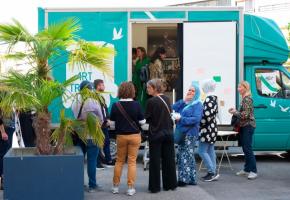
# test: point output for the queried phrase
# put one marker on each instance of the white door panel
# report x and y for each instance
(209, 50)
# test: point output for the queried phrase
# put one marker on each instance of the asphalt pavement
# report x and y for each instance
(273, 183)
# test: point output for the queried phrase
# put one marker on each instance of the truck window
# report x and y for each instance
(269, 83)
(286, 85)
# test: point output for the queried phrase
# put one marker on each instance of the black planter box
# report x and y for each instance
(43, 177)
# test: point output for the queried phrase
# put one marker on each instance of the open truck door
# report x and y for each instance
(210, 52)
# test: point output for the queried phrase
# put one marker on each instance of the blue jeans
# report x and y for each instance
(92, 155)
(207, 153)
(246, 137)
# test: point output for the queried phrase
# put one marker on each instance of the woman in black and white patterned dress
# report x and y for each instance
(209, 130)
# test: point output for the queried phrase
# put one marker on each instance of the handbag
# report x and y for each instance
(179, 137)
(235, 123)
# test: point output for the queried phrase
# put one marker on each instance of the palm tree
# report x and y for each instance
(36, 90)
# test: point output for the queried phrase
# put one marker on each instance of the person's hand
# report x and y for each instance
(232, 110)
(4, 136)
(175, 116)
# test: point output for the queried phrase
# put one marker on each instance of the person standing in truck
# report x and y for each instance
(247, 127)
(156, 65)
(142, 62)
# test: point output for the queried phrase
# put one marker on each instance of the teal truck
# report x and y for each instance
(221, 43)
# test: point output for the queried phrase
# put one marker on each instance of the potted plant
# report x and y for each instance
(36, 90)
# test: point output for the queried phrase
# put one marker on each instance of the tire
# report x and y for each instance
(113, 148)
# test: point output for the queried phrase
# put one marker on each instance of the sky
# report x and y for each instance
(26, 10)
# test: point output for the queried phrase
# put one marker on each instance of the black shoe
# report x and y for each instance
(204, 176)
(154, 191)
(181, 184)
(167, 189)
(110, 164)
(100, 167)
(209, 177)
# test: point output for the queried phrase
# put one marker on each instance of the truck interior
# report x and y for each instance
(154, 35)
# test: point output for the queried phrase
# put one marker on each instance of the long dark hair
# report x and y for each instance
(156, 54)
(143, 50)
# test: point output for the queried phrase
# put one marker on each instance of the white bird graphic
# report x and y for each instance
(117, 35)
(284, 109)
(273, 103)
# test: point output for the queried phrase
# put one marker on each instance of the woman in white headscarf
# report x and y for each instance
(209, 130)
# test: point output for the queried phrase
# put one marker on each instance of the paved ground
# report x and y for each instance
(273, 183)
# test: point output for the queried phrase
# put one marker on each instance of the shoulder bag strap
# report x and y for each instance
(125, 114)
(165, 104)
(80, 111)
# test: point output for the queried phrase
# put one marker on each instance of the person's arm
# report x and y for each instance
(148, 111)
(247, 105)
(178, 106)
(193, 117)
(140, 115)
(4, 135)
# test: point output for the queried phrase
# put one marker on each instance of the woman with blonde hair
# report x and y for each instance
(247, 127)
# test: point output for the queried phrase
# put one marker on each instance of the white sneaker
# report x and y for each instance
(252, 175)
(216, 177)
(115, 189)
(131, 191)
(242, 173)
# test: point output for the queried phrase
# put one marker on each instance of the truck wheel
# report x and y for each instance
(113, 148)
(287, 155)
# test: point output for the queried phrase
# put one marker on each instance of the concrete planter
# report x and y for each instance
(45, 177)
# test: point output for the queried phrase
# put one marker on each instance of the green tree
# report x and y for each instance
(36, 90)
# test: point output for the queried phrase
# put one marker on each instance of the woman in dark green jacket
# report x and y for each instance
(141, 88)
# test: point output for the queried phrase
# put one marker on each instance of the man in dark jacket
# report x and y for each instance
(100, 87)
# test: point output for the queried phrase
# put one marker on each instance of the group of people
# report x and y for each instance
(143, 66)
(195, 119)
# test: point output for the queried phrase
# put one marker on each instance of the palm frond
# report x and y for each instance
(97, 56)
(47, 91)
(16, 56)
(64, 30)
(95, 130)
(12, 33)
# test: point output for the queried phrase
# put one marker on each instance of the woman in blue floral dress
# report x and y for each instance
(190, 110)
